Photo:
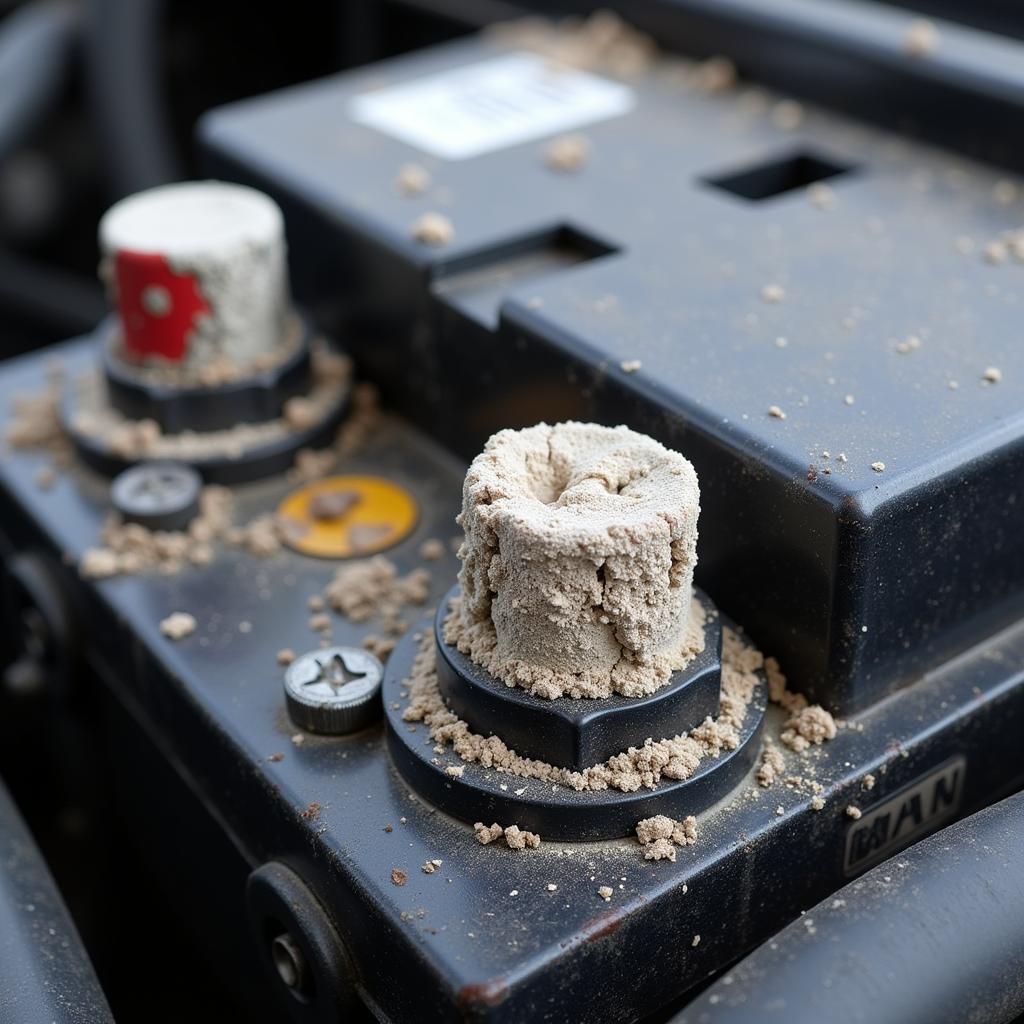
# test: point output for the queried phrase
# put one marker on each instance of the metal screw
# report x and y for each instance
(289, 961)
(157, 495)
(335, 690)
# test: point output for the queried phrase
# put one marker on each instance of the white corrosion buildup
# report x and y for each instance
(577, 567)
(198, 274)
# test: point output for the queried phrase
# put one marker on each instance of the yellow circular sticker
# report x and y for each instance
(347, 516)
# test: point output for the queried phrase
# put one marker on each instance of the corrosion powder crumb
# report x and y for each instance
(1005, 192)
(630, 365)
(878, 467)
(567, 153)
(606, 892)
(909, 344)
(178, 625)
(992, 375)
(433, 229)
(821, 196)
(551, 887)
(852, 811)
(432, 549)
(413, 180)
(776, 412)
(398, 877)
(817, 803)
(920, 39)
(787, 115)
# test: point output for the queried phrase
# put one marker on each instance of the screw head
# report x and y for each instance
(334, 690)
(157, 495)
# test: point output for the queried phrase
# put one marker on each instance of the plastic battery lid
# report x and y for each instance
(189, 219)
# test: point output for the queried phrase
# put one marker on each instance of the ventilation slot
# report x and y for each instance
(773, 178)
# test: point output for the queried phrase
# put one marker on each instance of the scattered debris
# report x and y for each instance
(312, 811)
(515, 838)
(660, 836)
(487, 833)
(285, 656)
(98, 564)
(178, 625)
(810, 725)
(551, 887)
(878, 467)
(773, 293)
(992, 375)
(920, 39)
(715, 75)
(853, 811)
(630, 365)
(567, 153)
(372, 589)
(431, 866)
(602, 42)
(433, 229)
(606, 892)
(413, 180)
(772, 765)
(300, 413)
(35, 422)
(333, 504)
(817, 803)
(868, 782)
(787, 115)
(996, 252)
(909, 344)
(432, 550)
(821, 196)
(130, 548)
(398, 877)
(776, 412)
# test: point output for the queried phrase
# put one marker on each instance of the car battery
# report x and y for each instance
(540, 225)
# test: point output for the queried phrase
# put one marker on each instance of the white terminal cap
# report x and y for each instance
(191, 219)
(211, 251)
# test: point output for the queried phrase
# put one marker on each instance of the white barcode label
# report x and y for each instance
(487, 106)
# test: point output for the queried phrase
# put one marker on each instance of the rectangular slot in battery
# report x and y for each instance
(478, 283)
(774, 177)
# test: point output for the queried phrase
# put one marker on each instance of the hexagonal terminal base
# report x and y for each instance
(577, 732)
(475, 793)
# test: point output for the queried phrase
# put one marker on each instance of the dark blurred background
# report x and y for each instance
(98, 98)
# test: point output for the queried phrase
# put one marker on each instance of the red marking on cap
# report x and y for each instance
(156, 333)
